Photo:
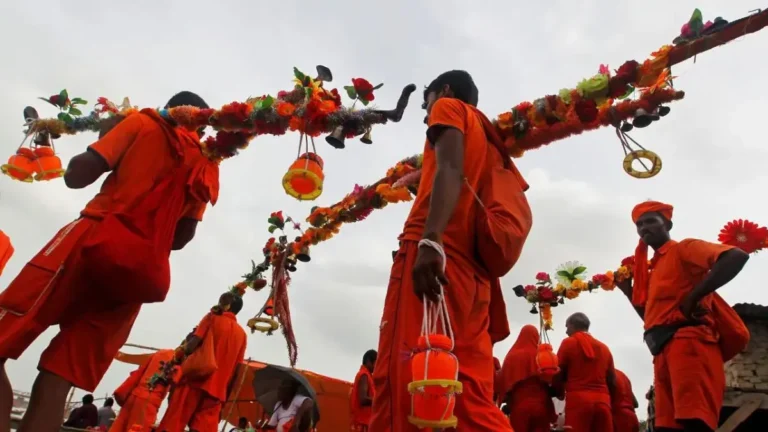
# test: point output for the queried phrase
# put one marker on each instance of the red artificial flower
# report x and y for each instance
(528, 288)
(586, 109)
(335, 97)
(235, 112)
(363, 88)
(628, 261)
(278, 215)
(617, 88)
(542, 276)
(627, 73)
(746, 235)
(546, 295)
(599, 279)
(522, 107)
(282, 94)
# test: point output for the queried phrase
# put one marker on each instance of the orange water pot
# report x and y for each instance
(48, 165)
(21, 166)
(435, 372)
(269, 308)
(546, 361)
(304, 179)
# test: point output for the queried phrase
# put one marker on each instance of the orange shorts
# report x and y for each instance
(689, 382)
(191, 407)
(51, 290)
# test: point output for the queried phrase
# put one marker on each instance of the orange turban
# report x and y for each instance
(641, 276)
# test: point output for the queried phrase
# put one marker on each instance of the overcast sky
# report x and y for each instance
(712, 146)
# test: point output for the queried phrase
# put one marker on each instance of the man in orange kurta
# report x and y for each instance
(361, 397)
(6, 250)
(197, 403)
(52, 288)
(588, 377)
(520, 386)
(457, 154)
(623, 405)
(138, 404)
(675, 296)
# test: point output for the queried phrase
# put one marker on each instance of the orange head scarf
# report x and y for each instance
(520, 362)
(584, 340)
(641, 276)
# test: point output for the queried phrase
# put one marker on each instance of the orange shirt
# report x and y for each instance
(623, 397)
(460, 233)
(229, 343)
(676, 269)
(138, 153)
(6, 250)
(361, 415)
(583, 373)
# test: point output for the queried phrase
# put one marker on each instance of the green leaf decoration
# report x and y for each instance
(308, 92)
(579, 270)
(364, 102)
(272, 220)
(298, 74)
(74, 111)
(265, 103)
(379, 86)
(628, 93)
(351, 92)
(66, 118)
(63, 96)
(564, 274)
(78, 101)
(271, 229)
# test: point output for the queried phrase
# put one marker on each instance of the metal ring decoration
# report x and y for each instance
(265, 325)
(648, 155)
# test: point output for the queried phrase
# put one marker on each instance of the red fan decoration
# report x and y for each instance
(747, 236)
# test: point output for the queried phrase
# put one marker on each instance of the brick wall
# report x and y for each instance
(749, 370)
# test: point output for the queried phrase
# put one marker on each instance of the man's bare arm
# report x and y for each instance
(728, 265)
(84, 169)
(446, 188)
(362, 392)
(626, 287)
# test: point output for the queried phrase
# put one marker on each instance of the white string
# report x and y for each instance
(434, 312)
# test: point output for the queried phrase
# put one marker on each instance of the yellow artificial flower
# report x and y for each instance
(571, 294)
(579, 285)
(559, 288)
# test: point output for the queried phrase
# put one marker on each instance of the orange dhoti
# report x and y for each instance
(625, 420)
(468, 297)
(51, 290)
(530, 407)
(689, 382)
(136, 411)
(191, 407)
(587, 411)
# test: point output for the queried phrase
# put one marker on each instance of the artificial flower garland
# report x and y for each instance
(570, 279)
(308, 108)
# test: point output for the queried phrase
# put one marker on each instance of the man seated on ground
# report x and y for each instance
(242, 425)
(84, 416)
(293, 412)
(107, 414)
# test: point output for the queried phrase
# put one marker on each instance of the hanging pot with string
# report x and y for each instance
(435, 369)
(304, 179)
(546, 359)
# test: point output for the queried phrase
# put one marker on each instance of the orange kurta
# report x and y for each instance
(139, 405)
(586, 363)
(527, 396)
(688, 374)
(623, 405)
(360, 416)
(475, 304)
(51, 289)
(197, 404)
